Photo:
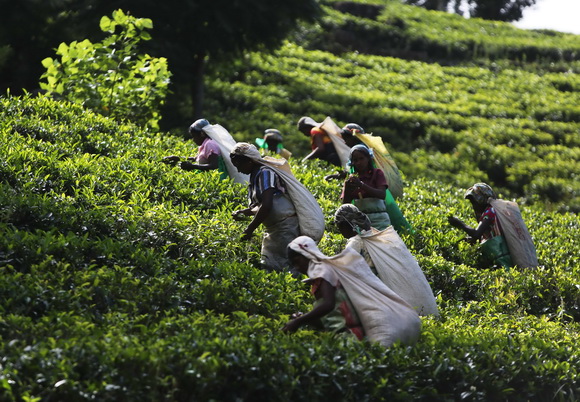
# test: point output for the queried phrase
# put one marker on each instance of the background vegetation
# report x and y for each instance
(123, 278)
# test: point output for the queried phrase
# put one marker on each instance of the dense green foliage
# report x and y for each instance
(111, 77)
(516, 129)
(123, 278)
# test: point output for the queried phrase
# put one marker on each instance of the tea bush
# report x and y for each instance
(457, 124)
(124, 278)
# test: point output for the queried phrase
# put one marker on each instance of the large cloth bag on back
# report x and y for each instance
(385, 162)
(310, 215)
(515, 231)
(397, 268)
(226, 143)
(383, 158)
(385, 316)
(333, 131)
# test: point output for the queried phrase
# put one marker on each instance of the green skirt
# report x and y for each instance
(495, 251)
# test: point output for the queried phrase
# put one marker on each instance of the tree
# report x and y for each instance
(188, 33)
(111, 77)
(192, 33)
(499, 10)
(29, 31)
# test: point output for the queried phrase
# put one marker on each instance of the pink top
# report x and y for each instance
(208, 148)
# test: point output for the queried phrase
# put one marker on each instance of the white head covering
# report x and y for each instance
(247, 150)
(226, 142)
(307, 247)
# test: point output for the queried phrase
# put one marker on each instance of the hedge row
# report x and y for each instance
(123, 278)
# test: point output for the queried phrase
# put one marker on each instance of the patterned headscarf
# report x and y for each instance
(480, 192)
(354, 128)
(350, 214)
(198, 125)
(247, 150)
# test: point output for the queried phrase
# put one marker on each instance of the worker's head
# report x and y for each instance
(350, 220)
(196, 131)
(245, 157)
(273, 139)
(348, 133)
(305, 124)
(360, 159)
(297, 260)
(479, 194)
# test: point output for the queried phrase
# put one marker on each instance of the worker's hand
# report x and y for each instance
(240, 214)
(291, 326)
(455, 221)
(170, 159)
(187, 166)
(247, 235)
(353, 183)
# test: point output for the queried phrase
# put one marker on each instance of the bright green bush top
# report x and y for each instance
(123, 278)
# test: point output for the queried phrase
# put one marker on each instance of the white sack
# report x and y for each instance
(226, 143)
(386, 317)
(310, 215)
(333, 131)
(519, 241)
(397, 268)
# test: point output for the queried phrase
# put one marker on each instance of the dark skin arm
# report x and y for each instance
(325, 291)
(318, 150)
(211, 165)
(340, 175)
(171, 159)
(353, 184)
(474, 233)
(263, 211)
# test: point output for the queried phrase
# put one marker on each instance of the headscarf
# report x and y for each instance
(350, 214)
(354, 128)
(306, 121)
(198, 125)
(362, 148)
(480, 192)
(273, 133)
(270, 133)
(247, 150)
(305, 246)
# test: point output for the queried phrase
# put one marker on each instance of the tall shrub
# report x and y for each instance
(111, 77)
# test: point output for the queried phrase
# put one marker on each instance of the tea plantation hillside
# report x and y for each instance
(456, 124)
(481, 101)
(123, 279)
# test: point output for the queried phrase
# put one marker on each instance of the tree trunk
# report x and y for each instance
(197, 88)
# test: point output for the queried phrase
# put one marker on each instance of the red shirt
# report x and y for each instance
(495, 228)
(374, 178)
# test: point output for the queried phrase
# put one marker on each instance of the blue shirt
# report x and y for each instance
(262, 180)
